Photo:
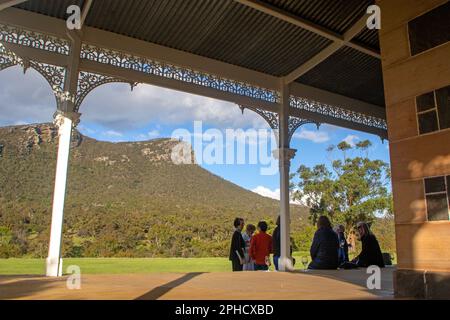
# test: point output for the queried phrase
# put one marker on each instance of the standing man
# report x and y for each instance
(237, 245)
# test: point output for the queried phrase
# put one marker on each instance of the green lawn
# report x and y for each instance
(123, 265)
(127, 265)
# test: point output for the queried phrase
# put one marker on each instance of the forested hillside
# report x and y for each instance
(123, 199)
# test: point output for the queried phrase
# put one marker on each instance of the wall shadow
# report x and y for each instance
(162, 290)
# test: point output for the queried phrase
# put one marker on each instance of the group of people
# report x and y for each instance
(329, 249)
(250, 251)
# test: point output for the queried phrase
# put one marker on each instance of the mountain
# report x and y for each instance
(123, 199)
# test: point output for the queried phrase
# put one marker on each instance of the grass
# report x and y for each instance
(127, 265)
(123, 265)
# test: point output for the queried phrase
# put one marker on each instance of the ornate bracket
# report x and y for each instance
(55, 75)
(273, 120)
(88, 81)
(270, 117)
(295, 123)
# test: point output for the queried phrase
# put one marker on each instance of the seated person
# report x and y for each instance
(325, 245)
(371, 253)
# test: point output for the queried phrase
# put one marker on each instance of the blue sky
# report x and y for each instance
(114, 113)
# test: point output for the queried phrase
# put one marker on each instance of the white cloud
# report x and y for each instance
(266, 192)
(351, 139)
(114, 107)
(152, 134)
(25, 98)
(112, 133)
(275, 194)
(314, 136)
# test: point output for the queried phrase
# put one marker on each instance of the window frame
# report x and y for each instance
(446, 192)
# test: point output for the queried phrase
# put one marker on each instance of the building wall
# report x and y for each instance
(421, 244)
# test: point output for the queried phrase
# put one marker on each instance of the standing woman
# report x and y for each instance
(237, 246)
(249, 264)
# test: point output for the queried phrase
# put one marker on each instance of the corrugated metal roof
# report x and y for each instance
(335, 15)
(222, 30)
(53, 8)
(234, 33)
(350, 73)
(368, 38)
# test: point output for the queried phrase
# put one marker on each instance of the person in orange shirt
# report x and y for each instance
(261, 247)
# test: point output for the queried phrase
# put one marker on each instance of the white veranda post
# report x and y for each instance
(285, 154)
(65, 119)
(54, 261)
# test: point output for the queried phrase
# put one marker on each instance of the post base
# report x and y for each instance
(54, 267)
(285, 264)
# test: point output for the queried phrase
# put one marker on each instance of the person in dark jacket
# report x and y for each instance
(343, 244)
(371, 253)
(324, 249)
(237, 247)
(276, 244)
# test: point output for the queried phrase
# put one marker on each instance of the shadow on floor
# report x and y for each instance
(162, 290)
(24, 287)
(359, 278)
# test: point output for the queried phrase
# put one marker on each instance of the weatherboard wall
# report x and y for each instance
(423, 246)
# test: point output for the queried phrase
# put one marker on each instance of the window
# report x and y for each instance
(430, 30)
(437, 194)
(433, 110)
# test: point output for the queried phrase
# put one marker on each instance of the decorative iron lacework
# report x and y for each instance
(8, 58)
(88, 81)
(33, 39)
(273, 121)
(270, 117)
(54, 75)
(152, 67)
(295, 123)
(337, 112)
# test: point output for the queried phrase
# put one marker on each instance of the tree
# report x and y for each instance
(348, 190)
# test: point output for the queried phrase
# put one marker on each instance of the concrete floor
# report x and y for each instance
(310, 285)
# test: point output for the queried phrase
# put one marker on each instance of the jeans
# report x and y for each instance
(275, 262)
(261, 267)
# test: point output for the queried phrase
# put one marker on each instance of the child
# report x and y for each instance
(247, 235)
